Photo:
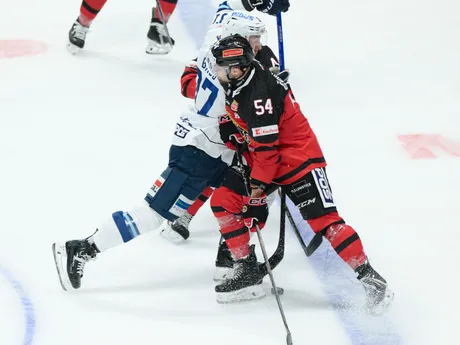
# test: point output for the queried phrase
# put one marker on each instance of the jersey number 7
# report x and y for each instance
(206, 85)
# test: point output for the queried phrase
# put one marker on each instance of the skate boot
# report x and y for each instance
(70, 259)
(224, 263)
(177, 231)
(77, 36)
(158, 40)
(245, 284)
(378, 295)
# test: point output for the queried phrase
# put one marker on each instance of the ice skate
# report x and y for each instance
(77, 36)
(177, 231)
(158, 40)
(224, 263)
(245, 284)
(378, 295)
(70, 259)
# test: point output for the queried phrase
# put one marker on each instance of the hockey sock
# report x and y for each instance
(226, 206)
(89, 10)
(343, 238)
(168, 7)
(200, 201)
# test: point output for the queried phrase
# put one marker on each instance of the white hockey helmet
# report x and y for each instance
(247, 25)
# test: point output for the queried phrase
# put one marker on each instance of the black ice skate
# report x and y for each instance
(378, 295)
(77, 36)
(224, 263)
(245, 283)
(177, 231)
(70, 259)
(158, 40)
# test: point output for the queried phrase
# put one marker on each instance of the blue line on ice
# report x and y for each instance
(340, 286)
(29, 313)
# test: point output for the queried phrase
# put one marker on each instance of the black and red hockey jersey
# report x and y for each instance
(281, 142)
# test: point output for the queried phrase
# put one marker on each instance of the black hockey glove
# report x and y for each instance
(272, 7)
(255, 211)
(229, 134)
(283, 75)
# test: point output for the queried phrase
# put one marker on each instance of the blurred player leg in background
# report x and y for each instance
(158, 41)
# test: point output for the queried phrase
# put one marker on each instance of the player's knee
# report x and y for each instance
(324, 221)
(227, 200)
(173, 193)
(138, 220)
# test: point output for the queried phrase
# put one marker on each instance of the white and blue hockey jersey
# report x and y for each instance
(199, 125)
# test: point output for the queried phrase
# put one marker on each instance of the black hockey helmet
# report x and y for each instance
(233, 51)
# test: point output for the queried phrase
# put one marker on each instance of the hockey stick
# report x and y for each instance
(163, 19)
(278, 255)
(279, 24)
(267, 264)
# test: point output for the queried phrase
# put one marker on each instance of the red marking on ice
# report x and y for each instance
(429, 146)
(17, 48)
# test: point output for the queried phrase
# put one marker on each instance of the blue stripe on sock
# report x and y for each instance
(131, 225)
(119, 220)
(182, 204)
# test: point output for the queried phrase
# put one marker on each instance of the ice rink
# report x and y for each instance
(84, 136)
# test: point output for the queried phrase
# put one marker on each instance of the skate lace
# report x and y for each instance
(79, 31)
(184, 220)
(161, 31)
(82, 259)
(373, 286)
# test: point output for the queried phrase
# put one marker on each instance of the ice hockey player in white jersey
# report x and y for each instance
(226, 22)
(197, 159)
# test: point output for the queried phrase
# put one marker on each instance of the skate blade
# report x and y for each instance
(73, 49)
(249, 293)
(60, 260)
(222, 274)
(383, 306)
(154, 48)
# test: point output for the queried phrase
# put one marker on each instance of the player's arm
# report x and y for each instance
(188, 80)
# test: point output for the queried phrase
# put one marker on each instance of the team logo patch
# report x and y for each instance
(266, 130)
(234, 106)
(232, 52)
(323, 187)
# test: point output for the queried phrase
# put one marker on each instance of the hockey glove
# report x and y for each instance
(272, 7)
(283, 75)
(255, 211)
(232, 138)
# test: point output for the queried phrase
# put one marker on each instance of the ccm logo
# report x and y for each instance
(266, 130)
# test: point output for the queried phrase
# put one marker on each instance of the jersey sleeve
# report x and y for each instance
(266, 109)
(267, 58)
(188, 80)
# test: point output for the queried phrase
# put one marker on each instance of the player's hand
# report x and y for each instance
(283, 75)
(229, 134)
(272, 7)
(255, 211)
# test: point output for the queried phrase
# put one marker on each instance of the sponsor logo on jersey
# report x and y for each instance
(266, 130)
(232, 52)
(242, 15)
(234, 106)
